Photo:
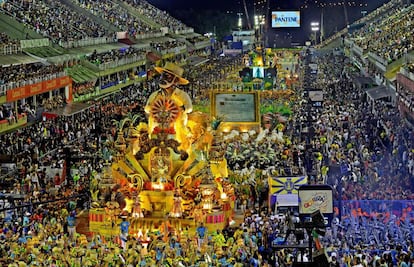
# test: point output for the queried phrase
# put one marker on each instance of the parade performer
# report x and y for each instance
(201, 234)
(71, 221)
(177, 210)
(291, 220)
(124, 225)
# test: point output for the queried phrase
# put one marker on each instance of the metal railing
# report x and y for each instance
(121, 62)
(377, 58)
(148, 35)
(404, 71)
(87, 42)
(185, 31)
(11, 49)
(357, 50)
(175, 50)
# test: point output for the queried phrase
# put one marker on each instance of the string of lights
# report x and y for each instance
(331, 4)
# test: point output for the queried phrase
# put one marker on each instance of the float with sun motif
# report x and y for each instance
(162, 181)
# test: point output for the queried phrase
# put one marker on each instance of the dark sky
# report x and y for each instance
(195, 4)
(334, 15)
(237, 5)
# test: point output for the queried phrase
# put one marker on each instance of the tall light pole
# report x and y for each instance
(239, 24)
(315, 28)
(240, 21)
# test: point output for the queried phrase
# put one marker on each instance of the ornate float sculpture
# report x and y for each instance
(170, 174)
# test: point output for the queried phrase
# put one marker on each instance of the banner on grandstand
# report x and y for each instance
(121, 35)
(284, 190)
(34, 43)
(38, 88)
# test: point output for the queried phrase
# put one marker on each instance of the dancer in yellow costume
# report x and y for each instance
(168, 107)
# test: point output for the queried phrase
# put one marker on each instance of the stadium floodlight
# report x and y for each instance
(314, 26)
(315, 29)
(256, 22)
(240, 21)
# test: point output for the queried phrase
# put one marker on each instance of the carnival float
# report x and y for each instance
(168, 174)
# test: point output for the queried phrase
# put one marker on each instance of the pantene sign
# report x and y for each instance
(285, 19)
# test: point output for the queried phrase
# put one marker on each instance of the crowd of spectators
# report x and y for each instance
(388, 37)
(374, 145)
(203, 77)
(6, 40)
(51, 19)
(34, 72)
(385, 10)
(357, 140)
(118, 16)
(197, 39)
(163, 46)
(6, 113)
(157, 15)
(115, 55)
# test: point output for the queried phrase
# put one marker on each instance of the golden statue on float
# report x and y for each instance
(165, 175)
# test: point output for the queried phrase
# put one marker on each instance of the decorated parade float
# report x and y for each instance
(169, 175)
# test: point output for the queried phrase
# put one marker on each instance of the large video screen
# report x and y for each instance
(285, 19)
(258, 72)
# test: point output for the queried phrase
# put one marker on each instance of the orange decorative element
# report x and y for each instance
(38, 88)
(165, 111)
(158, 130)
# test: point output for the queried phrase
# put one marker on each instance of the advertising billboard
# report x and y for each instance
(285, 19)
(315, 197)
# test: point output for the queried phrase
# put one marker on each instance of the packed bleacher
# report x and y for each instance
(389, 36)
(28, 73)
(50, 19)
(383, 11)
(157, 15)
(197, 39)
(116, 55)
(166, 45)
(118, 16)
(6, 40)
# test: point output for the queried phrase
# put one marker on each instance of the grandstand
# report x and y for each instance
(99, 47)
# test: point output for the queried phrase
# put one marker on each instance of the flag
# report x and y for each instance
(286, 185)
(284, 190)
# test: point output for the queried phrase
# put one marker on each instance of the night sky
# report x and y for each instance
(237, 5)
(195, 4)
(311, 10)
